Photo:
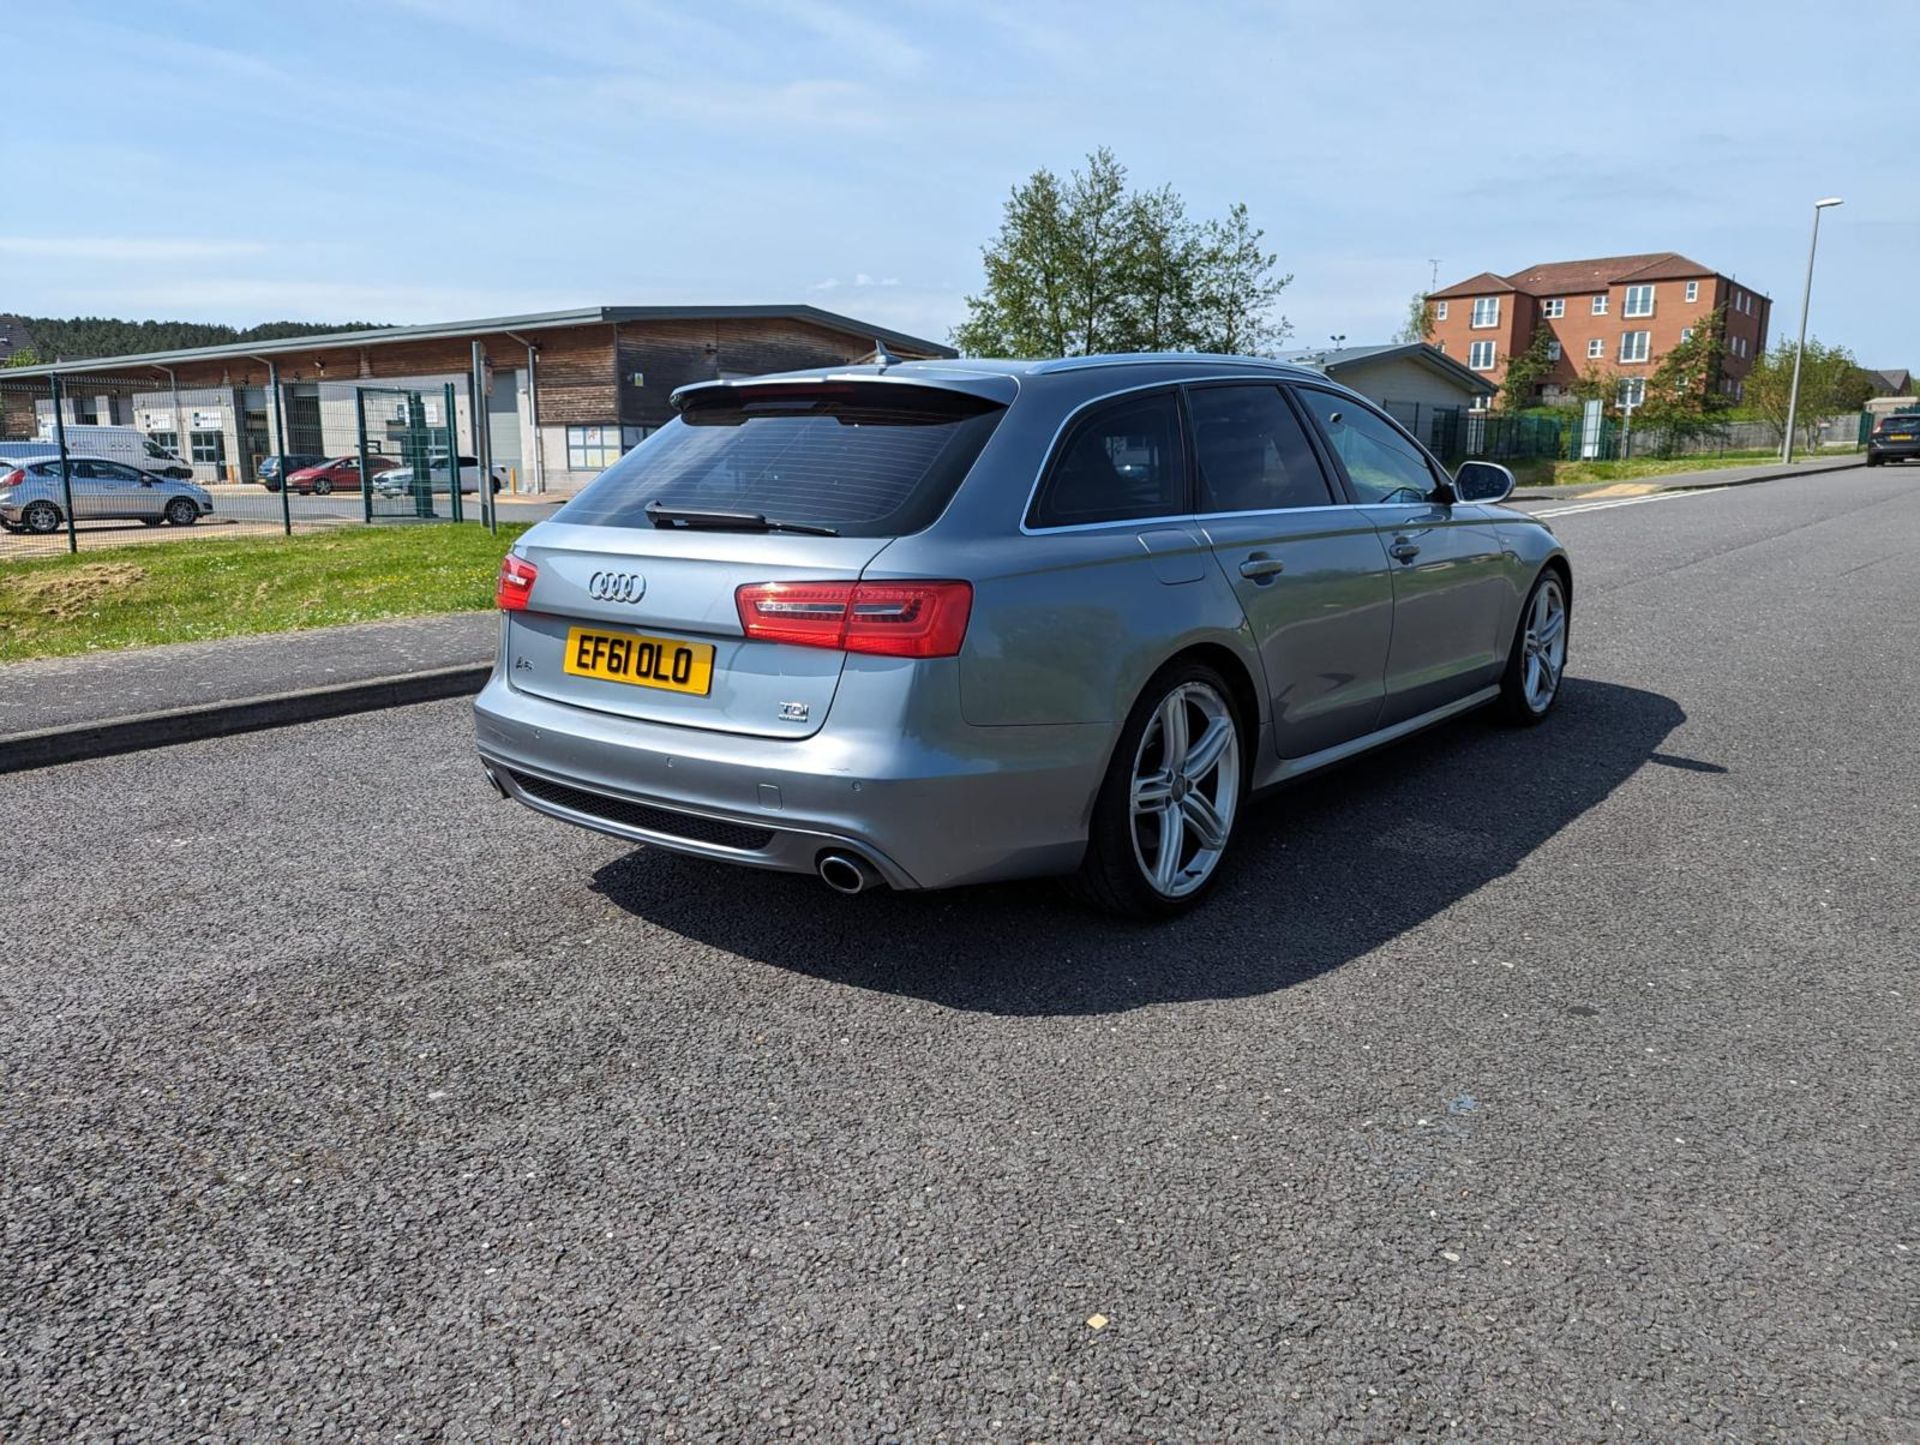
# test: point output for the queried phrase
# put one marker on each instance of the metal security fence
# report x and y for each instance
(97, 459)
(1456, 434)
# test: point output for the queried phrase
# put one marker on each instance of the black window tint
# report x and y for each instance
(866, 459)
(1251, 451)
(1381, 463)
(1122, 460)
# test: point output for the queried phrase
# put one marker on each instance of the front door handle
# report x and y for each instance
(1259, 567)
(1405, 548)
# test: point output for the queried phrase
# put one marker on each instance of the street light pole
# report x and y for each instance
(1806, 303)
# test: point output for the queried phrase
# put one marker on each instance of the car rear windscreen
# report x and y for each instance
(867, 459)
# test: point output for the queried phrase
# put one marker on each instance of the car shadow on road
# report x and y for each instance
(1327, 871)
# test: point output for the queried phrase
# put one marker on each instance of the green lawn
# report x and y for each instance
(1574, 474)
(194, 590)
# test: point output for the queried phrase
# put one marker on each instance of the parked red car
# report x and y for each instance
(342, 474)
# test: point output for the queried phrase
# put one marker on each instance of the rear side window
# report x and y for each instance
(1121, 460)
(866, 459)
(1251, 451)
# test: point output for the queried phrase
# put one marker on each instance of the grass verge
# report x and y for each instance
(192, 591)
(1576, 474)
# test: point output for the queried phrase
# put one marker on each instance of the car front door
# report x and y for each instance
(1449, 571)
(1309, 569)
(134, 492)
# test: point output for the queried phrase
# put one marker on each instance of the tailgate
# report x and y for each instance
(612, 600)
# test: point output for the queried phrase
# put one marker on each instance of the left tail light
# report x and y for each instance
(887, 619)
(13, 478)
(515, 585)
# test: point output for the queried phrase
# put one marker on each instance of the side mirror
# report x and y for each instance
(1483, 482)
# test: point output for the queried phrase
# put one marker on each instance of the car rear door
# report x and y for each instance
(1310, 571)
(93, 489)
(1450, 574)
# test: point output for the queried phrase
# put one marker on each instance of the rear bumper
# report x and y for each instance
(982, 804)
(1894, 451)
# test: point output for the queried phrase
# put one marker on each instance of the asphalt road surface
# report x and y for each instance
(1539, 1085)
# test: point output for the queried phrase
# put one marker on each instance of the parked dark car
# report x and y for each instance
(271, 469)
(342, 474)
(1894, 438)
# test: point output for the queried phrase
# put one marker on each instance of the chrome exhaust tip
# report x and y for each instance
(845, 873)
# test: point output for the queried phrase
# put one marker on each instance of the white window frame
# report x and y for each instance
(1693, 291)
(1554, 309)
(1474, 353)
(1553, 351)
(1632, 391)
(1629, 353)
(1686, 333)
(1439, 311)
(592, 448)
(1596, 348)
(1600, 304)
(1492, 304)
(1643, 295)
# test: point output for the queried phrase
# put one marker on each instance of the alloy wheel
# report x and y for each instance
(1185, 789)
(1544, 645)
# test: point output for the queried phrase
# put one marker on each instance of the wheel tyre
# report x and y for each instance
(1537, 665)
(1116, 874)
(41, 518)
(1872, 460)
(322, 487)
(182, 513)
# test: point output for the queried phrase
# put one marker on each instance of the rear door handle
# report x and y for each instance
(1259, 567)
(1405, 549)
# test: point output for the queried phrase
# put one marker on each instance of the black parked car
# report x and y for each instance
(272, 469)
(1894, 438)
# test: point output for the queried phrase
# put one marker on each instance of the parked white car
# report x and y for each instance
(400, 483)
(123, 444)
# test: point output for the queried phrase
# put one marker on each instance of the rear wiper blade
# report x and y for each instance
(693, 517)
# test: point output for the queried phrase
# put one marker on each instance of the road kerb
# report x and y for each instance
(75, 742)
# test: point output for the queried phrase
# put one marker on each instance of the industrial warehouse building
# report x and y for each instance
(566, 392)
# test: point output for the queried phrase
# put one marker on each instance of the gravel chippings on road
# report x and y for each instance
(1551, 1085)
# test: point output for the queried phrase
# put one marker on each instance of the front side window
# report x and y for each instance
(1486, 311)
(1480, 355)
(1252, 453)
(1554, 309)
(1633, 345)
(1381, 463)
(1121, 460)
(155, 450)
(1600, 304)
(859, 459)
(1639, 301)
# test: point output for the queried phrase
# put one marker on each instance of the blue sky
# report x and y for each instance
(416, 160)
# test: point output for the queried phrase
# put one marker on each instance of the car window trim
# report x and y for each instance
(1045, 469)
(1436, 472)
(1336, 487)
(1057, 451)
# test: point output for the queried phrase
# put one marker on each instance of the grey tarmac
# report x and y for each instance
(1539, 1085)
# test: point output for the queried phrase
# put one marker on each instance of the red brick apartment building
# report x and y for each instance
(1620, 314)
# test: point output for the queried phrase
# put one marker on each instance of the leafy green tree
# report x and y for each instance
(1419, 323)
(25, 356)
(1683, 394)
(81, 337)
(1828, 387)
(1086, 265)
(1525, 371)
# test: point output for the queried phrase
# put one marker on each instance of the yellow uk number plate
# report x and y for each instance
(643, 661)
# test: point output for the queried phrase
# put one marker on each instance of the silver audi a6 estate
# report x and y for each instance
(942, 622)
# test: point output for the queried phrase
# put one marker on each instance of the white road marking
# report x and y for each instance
(1625, 502)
